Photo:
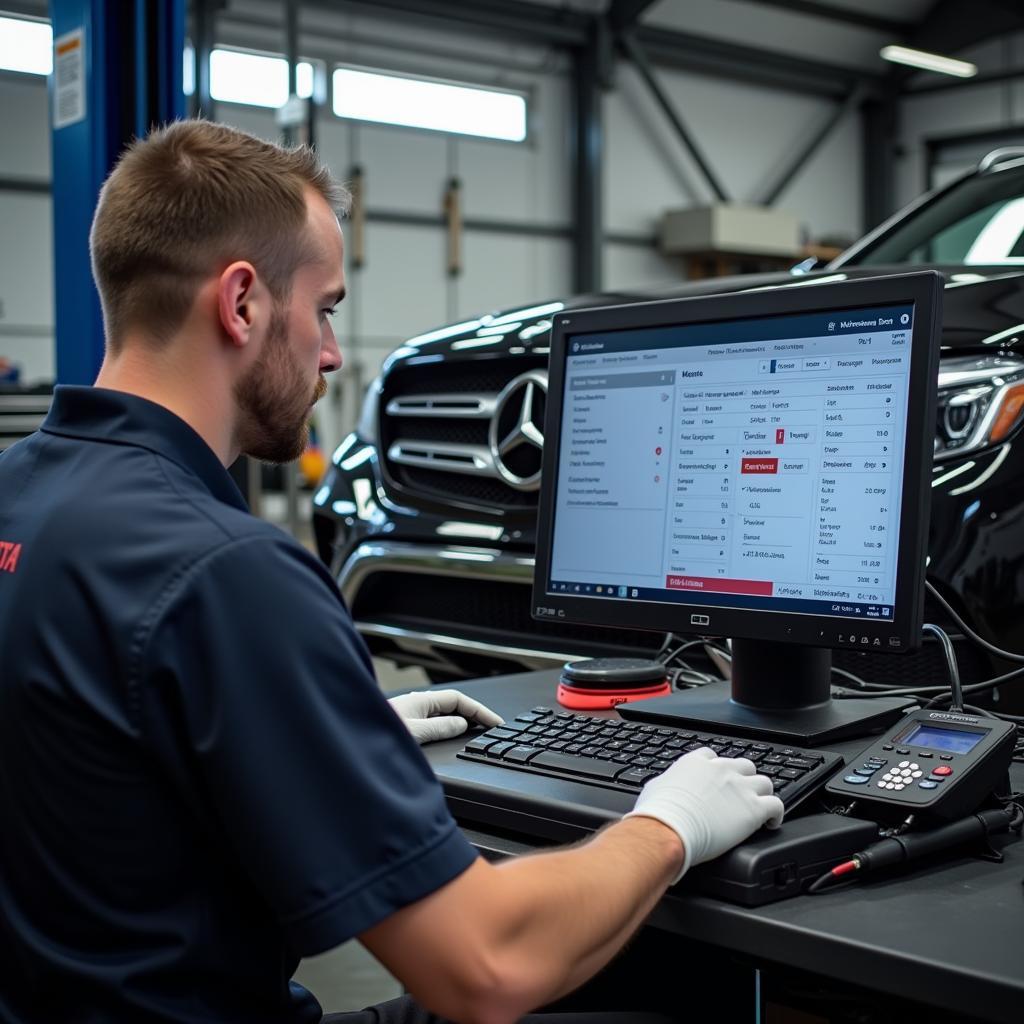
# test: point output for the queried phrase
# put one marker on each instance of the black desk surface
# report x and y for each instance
(950, 933)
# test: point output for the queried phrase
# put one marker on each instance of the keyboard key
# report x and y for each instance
(773, 759)
(734, 752)
(661, 765)
(636, 776)
(800, 762)
(642, 762)
(633, 748)
(790, 773)
(497, 749)
(558, 745)
(529, 716)
(585, 766)
(500, 734)
(770, 770)
(520, 754)
(479, 745)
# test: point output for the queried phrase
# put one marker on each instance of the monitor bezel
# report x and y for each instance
(903, 632)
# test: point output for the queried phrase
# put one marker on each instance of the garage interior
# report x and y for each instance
(659, 142)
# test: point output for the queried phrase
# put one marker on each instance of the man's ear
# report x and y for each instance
(237, 290)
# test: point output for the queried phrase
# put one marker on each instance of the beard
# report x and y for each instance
(274, 400)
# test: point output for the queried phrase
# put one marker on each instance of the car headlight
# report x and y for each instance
(980, 402)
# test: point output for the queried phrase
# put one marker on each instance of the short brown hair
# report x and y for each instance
(187, 198)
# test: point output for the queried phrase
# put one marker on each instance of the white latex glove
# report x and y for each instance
(712, 803)
(441, 714)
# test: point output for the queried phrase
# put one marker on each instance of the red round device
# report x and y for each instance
(603, 683)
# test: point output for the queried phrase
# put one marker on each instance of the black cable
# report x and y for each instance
(980, 640)
(924, 691)
(954, 672)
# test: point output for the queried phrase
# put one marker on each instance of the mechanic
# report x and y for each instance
(200, 781)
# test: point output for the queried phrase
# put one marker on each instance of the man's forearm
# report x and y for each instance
(570, 911)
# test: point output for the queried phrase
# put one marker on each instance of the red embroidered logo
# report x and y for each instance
(9, 555)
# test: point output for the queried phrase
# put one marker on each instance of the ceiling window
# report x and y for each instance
(26, 46)
(423, 103)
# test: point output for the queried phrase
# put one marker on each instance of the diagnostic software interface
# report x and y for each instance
(749, 464)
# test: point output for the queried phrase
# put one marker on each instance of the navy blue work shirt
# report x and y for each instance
(200, 781)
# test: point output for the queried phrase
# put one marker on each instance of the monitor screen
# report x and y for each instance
(752, 465)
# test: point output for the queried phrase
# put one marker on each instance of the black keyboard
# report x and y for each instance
(623, 755)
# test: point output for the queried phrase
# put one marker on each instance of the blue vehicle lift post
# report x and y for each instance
(127, 58)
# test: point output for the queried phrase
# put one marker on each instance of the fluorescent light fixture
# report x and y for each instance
(418, 103)
(928, 61)
(255, 79)
(26, 46)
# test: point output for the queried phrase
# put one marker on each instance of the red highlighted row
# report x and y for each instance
(717, 585)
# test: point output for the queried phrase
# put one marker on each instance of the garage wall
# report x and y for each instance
(403, 289)
(746, 134)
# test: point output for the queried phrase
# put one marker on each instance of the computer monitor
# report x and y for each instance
(752, 465)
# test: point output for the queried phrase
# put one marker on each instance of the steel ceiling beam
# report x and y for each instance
(722, 59)
(643, 66)
(552, 25)
(783, 177)
(624, 14)
(841, 15)
(945, 28)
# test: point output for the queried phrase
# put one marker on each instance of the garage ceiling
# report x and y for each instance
(846, 33)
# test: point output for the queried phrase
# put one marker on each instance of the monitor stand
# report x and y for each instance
(778, 692)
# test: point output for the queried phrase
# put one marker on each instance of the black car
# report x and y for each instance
(427, 514)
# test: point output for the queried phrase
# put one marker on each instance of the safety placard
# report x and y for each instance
(69, 78)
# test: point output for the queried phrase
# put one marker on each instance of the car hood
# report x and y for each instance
(982, 307)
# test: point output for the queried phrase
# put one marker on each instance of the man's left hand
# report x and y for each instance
(441, 714)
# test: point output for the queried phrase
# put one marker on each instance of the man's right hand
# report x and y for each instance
(712, 803)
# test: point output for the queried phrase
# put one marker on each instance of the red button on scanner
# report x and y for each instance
(942, 769)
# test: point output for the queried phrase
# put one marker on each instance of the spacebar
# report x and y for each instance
(578, 765)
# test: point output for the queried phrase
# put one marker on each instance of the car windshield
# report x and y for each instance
(979, 221)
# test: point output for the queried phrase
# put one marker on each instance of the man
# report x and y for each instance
(199, 779)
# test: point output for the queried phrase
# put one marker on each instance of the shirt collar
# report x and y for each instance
(116, 417)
